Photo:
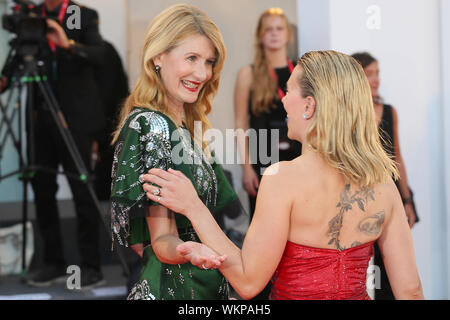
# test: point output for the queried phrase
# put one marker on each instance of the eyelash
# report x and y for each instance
(193, 58)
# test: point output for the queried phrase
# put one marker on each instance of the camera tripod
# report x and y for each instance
(24, 80)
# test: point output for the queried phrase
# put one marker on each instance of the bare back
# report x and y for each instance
(328, 212)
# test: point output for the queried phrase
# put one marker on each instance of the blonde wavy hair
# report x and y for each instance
(264, 88)
(164, 33)
(344, 129)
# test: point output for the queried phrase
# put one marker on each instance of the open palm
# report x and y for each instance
(200, 255)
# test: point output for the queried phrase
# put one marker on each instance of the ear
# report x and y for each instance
(310, 107)
(157, 60)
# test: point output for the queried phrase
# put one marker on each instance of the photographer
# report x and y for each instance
(69, 55)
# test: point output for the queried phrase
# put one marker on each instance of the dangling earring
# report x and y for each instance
(157, 69)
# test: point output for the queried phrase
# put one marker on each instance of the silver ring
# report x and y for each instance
(203, 266)
(157, 192)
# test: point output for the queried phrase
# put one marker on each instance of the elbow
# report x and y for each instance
(414, 292)
(249, 291)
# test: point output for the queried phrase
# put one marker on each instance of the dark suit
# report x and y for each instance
(112, 83)
(71, 75)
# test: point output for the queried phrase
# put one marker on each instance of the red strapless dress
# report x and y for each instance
(307, 273)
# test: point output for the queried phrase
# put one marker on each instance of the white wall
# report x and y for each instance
(10, 188)
(407, 45)
(445, 55)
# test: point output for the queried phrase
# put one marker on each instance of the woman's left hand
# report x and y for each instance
(176, 191)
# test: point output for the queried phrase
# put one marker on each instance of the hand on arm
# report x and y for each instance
(250, 270)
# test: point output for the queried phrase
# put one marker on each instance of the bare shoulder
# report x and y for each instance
(387, 193)
(245, 75)
(283, 173)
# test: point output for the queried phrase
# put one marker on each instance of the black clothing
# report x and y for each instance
(386, 129)
(112, 83)
(274, 119)
(50, 152)
(71, 75)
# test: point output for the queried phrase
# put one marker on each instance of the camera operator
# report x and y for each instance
(69, 55)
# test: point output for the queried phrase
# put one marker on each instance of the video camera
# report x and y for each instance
(27, 25)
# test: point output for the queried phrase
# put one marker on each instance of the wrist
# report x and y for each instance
(70, 45)
(196, 208)
(407, 200)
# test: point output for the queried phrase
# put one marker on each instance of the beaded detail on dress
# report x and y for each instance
(151, 150)
(149, 139)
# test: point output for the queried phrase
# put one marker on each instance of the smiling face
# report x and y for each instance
(186, 69)
(296, 106)
(372, 72)
(275, 34)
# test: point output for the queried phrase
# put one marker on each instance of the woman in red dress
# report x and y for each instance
(318, 215)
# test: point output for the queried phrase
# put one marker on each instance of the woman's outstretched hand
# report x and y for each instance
(175, 190)
(200, 255)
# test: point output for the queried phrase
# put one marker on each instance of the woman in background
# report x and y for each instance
(387, 122)
(259, 90)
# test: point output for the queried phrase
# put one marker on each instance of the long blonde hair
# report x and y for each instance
(164, 33)
(264, 88)
(344, 129)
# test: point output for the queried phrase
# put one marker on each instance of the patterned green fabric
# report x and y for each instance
(149, 139)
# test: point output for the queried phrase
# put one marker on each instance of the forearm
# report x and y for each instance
(234, 267)
(403, 181)
(165, 249)
(242, 126)
(90, 53)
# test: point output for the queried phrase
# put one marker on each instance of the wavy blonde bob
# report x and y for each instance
(344, 129)
(164, 33)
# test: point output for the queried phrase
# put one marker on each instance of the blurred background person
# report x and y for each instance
(69, 56)
(112, 83)
(257, 100)
(258, 93)
(387, 121)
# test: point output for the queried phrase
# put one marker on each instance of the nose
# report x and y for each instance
(202, 72)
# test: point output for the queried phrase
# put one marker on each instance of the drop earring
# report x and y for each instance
(157, 69)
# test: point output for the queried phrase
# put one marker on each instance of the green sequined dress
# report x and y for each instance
(149, 139)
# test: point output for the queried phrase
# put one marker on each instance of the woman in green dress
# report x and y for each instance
(182, 58)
